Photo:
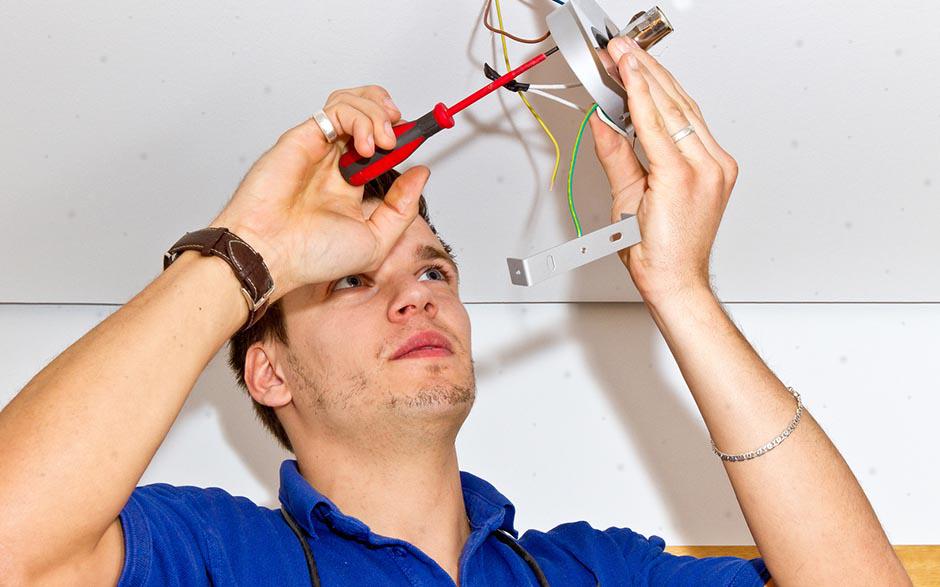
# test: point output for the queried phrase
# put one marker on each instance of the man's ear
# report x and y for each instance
(264, 376)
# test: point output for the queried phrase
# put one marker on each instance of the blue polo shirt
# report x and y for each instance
(194, 536)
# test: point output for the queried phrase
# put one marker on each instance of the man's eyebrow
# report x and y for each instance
(428, 253)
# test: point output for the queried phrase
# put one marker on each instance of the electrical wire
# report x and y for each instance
(502, 38)
(561, 101)
(558, 1)
(501, 32)
(574, 159)
(554, 86)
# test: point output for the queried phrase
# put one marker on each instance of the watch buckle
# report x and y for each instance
(252, 305)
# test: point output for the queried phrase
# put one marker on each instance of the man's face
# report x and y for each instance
(342, 368)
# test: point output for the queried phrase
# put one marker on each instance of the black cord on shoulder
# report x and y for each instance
(308, 554)
(507, 539)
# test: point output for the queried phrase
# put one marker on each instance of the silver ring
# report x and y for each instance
(323, 121)
(682, 133)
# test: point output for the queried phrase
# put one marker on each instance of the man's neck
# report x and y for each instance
(414, 495)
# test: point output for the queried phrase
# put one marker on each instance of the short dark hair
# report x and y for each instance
(271, 325)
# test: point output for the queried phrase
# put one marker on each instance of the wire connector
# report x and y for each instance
(513, 86)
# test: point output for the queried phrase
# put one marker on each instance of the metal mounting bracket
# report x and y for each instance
(576, 252)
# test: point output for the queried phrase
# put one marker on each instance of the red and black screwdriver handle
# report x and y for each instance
(358, 170)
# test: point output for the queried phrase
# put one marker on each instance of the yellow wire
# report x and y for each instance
(551, 185)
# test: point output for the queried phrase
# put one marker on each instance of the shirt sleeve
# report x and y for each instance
(191, 536)
(655, 566)
(165, 540)
(580, 554)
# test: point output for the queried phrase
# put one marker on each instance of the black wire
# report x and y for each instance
(308, 554)
(501, 535)
(507, 539)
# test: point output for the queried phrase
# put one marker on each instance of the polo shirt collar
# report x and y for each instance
(487, 508)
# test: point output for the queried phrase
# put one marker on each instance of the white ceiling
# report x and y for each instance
(125, 125)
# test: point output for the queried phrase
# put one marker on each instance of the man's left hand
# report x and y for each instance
(679, 201)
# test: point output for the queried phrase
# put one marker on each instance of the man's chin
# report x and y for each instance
(436, 397)
(433, 385)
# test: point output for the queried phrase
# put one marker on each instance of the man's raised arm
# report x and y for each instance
(76, 440)
(806, 511)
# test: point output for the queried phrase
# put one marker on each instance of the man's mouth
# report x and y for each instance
(427, 343)
(427, 351)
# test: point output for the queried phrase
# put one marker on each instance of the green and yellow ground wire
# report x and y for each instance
(574, 158)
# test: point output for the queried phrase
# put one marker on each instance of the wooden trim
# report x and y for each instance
(921, 561)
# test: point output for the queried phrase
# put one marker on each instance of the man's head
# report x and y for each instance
(323, 356)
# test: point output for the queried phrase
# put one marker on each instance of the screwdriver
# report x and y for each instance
(358, 169)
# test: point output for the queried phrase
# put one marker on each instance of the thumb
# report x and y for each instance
(399, 207)
(616, 155)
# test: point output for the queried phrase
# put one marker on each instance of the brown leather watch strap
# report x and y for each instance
(249, 267)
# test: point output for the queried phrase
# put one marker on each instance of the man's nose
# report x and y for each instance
(412, 297)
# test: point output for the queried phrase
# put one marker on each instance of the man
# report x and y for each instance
(363, 368)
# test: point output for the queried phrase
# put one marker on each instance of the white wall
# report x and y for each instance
(582, 413)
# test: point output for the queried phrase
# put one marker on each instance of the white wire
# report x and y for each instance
(554, 86)
(604, 118)
(561, 101)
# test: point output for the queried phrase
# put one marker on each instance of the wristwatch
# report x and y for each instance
(249, 267)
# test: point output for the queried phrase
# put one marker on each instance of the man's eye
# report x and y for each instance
(355, 280)
(435, 269)
(350, 281)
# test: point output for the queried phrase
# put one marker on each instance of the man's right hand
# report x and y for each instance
(295, 208)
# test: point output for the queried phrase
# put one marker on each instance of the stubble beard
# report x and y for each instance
(366, 387)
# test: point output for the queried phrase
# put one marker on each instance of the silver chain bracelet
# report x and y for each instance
(767, 447)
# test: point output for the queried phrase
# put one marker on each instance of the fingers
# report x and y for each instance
(647, 120)
(668, 117)
(380, 96)
(398, 209)
(669, 83)
(366, 114)
(616, 155)
(376, 94)
(348, 120)
(364, 117)
(691, 110)
(676, 119)
(692, 104)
